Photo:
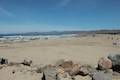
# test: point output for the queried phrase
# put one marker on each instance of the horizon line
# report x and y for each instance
(57, 31)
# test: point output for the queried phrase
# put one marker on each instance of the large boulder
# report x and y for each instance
(68, 66)
(115, 58)
(104, 63)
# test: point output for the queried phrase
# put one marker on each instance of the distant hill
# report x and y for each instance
(108, 32)
(63, 32)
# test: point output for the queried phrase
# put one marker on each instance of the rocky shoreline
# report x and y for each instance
(108, 68)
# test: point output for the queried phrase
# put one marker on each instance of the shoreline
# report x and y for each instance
(86, 50)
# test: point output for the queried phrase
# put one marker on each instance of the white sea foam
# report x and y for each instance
(29, 38)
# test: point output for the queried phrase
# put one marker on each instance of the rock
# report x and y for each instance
(65, 75)
(3, 61)
(67, 65)
(27, 62)
(101, 75)
(104, 63)
(60, 70)
(85, 70)
(115, 58)
(50, 73)
(75, 70)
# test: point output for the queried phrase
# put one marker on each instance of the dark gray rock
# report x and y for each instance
(3, 61)
(115, 58)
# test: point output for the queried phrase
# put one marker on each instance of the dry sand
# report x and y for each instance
(86, 50)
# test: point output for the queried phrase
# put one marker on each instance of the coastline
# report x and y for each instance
(85, 50)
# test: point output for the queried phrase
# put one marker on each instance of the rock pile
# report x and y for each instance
(104, 71)
(68, 70)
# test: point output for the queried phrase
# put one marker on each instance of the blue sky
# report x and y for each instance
(51, 15)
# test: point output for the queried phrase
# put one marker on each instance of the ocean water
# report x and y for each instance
(35, 37)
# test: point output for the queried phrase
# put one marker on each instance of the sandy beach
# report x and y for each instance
(84, 50)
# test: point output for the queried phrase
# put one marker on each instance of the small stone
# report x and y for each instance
(3, 61)
(27, 62)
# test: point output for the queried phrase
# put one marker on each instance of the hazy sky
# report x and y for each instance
(49, 15)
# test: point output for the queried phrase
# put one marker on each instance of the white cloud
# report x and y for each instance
(4, 11)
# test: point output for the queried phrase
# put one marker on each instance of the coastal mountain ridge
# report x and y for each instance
(63, 32)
